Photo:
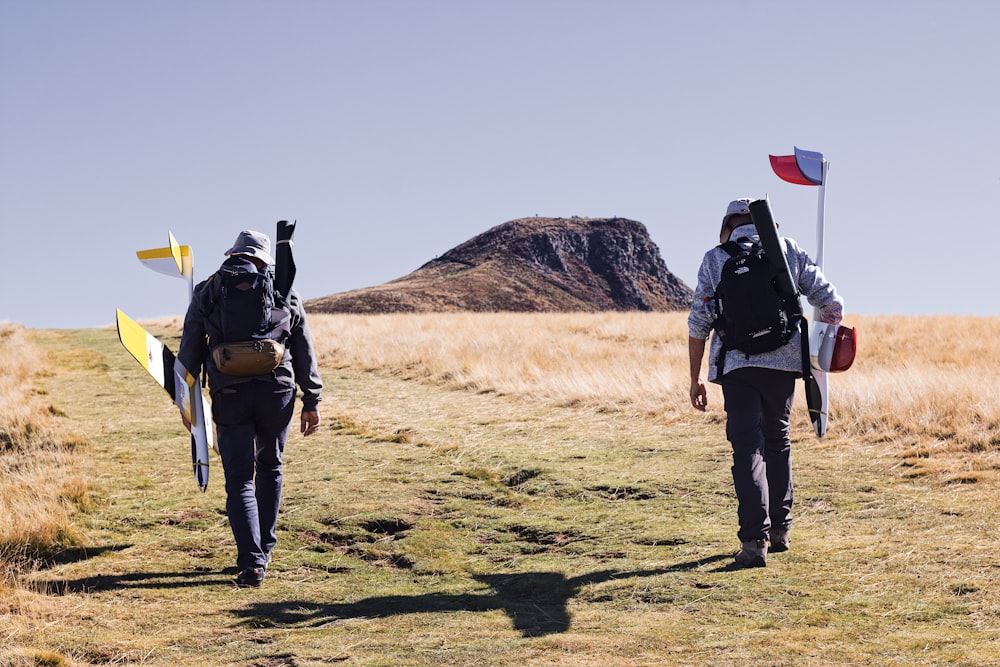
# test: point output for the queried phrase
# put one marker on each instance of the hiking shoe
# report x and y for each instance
(252, 577)
(781, 539)
(753, 554)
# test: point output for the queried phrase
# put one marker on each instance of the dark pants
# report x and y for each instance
(252, 422)
(758, 402)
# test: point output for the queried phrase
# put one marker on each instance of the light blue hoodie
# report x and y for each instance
(811, 282)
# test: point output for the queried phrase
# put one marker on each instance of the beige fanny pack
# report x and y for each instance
(255, 357)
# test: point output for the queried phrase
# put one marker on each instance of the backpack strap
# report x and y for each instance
(733, 248)
(720, 362)
(279, 324)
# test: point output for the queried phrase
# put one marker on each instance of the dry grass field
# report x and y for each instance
(920, 386)
(498, 489)
(39, 490)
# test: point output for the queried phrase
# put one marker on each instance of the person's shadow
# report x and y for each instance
(132, 580)
(536, 602)
(109, 582)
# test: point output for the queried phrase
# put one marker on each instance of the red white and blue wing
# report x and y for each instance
(802, 168)
(809, 168)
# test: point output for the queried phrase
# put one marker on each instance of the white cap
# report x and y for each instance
(737, 207)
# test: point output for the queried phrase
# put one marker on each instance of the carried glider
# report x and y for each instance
(160, 362)
(830, 348)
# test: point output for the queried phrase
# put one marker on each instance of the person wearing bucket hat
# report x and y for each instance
(256, 348)
(757, 390)
(253, 244)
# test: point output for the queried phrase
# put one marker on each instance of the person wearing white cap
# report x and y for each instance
(757, 389)
(256, 347)
(737, 213)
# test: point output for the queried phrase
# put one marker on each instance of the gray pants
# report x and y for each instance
(758, 402)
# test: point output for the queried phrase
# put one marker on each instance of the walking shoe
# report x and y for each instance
(753, 554)
(252, 577)
(781, 539)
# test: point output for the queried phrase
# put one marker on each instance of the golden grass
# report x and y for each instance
(921, 387)
(605, 359)
(37, 495)
(926, 389)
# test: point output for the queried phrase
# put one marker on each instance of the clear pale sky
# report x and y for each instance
(393, 130)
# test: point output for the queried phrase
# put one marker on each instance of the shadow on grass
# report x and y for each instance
(536, 602)
(133, 580)
(78, 554)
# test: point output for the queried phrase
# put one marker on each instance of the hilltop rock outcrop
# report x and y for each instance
(532, 264)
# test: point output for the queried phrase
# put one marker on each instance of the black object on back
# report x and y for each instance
(284, 260)
(767, 230)
(245, 306)
(752, 315)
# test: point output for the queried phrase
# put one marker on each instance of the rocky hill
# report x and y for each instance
(532, 264)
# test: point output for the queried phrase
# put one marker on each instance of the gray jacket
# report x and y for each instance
(812, 284)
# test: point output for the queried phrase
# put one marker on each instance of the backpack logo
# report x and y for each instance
(752, 316)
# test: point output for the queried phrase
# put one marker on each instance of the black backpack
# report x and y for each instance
(246, 306)
(752, 316)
